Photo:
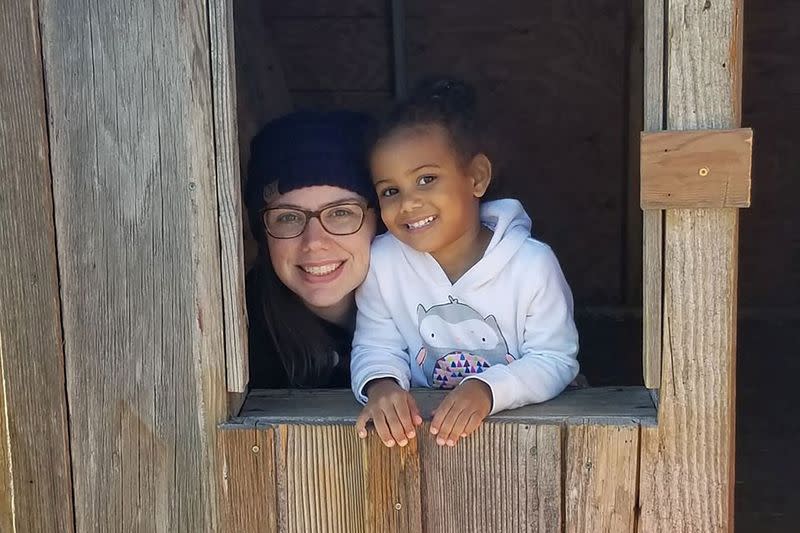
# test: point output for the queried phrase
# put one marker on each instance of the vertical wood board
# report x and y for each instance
(131, 128)
(601, 478)
(653, 233)
(35, 491)
(504, 477)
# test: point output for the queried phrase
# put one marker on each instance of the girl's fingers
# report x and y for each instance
(473, 423)
(440, 414)
(458, 427)
(361, 423)
(416, 418)
(382, 427)
(404, 415)
(397, 433)
(444, 436)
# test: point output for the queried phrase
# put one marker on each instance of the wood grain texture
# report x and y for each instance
(392, 486)
(35, 484)
(687, 466)
(596, 405)
(691, 169)
(687, 460)
(653, 221)
(248, 480)
(229, 197)
(132, 152)
(601, 478)
(504, 477)
(321, 479)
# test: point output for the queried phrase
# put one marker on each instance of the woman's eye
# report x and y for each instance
(288, 218)
(424, 180)
(341, 212)
(389, 191)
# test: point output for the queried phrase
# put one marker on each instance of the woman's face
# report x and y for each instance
(321, 268)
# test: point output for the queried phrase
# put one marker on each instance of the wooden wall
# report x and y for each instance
(552, 78)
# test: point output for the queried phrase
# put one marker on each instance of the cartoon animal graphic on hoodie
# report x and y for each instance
(458, 342)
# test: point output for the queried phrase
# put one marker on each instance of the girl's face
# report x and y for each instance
(321, 268)
(428, 199)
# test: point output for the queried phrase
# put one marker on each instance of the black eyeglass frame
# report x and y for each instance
(316, 214)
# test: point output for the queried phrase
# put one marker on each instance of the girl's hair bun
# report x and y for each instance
(453, 97)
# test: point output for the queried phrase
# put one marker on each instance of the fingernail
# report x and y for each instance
(403, 442)
(463, 435)
(434, 430)
(411, 434)
(362, 434)
(440, 441)
(451, 443)
(389, 443)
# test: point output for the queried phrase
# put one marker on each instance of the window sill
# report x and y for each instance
(595, 405)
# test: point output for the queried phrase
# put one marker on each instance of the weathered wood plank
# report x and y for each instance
(598, 405)
(35, 484)
(687, 461)
(132, 152)
(229, 198)
(248, 483)
(504, 477)
(392, 486)
(322, 485)
(601, 478)
(653, 232)
(690, 169)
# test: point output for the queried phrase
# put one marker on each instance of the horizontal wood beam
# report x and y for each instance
(594, 405)
(691, 169)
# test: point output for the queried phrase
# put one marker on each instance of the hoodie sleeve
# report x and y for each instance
(548, 359)
(379, 349)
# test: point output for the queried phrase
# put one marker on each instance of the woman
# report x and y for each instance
(312, 210)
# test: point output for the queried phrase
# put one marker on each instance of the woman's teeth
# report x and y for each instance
(322, 269)
(420, 224)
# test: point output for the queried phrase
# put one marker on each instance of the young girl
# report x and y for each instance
(458, 295)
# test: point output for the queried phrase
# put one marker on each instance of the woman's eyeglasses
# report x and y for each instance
(339, 219)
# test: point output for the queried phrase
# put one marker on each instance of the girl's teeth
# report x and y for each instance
(421, 223)
(321, 270)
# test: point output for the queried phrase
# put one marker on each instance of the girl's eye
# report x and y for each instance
(424, 180)
(389, 191)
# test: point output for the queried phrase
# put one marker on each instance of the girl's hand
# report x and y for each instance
(392, 410)
(461, 412)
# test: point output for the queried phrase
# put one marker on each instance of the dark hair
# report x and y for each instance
(302, 149)
(447, 102)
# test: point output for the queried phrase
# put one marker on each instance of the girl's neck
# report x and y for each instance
(462, 254)
(342, 313)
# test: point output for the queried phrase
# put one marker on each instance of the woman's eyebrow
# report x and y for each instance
(353, 200)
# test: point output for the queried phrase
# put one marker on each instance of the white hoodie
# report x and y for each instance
(507, 321)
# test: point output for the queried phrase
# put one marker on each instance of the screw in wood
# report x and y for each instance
(398, 506)
(703, 171)
(256, 449)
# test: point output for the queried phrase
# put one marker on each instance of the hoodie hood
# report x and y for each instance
(510, 225)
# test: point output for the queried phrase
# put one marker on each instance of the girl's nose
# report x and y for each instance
(314, 236)
(410, 202)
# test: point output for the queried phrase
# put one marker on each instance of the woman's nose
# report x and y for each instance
(314, 236)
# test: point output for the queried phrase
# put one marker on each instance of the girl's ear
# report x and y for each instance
(480, 169)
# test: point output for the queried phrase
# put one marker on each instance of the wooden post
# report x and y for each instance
(687, 460)
(35, 484)
(129, 96)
